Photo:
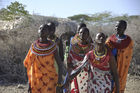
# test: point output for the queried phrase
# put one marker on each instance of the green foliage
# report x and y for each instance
(117, 18)
(80, 18)
(133, 17)
(98, 18)
(3, 14)
(15, 9)
(91, 18)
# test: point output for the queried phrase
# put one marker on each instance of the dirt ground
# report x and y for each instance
(133, 86)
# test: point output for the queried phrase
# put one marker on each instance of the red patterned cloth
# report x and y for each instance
(99, 72)
(100, 77)
(76, 54)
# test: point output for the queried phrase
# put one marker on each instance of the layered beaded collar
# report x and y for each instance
(43, 49)
(119, 39)
(120, 43)
(98, 56)
(100, 61)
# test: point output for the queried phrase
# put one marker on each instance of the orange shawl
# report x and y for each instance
(40, 68)
(124, 56)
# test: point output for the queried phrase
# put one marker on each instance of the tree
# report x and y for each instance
(100, 16)
(117, 18)
(97, 17)
(80, 18)
(15, 9)
(3, 14)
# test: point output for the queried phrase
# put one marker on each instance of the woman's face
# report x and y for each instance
(119, 28)
(52, 30)
(44, 32)
(99, 46)
(83, 35)
(100, 41)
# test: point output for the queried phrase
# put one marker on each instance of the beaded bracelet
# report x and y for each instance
(59, 85)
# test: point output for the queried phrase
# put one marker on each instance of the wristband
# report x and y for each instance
(59, 85)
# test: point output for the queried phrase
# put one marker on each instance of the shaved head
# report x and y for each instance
(100, 38)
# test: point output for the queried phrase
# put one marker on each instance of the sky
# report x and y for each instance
(66, 8)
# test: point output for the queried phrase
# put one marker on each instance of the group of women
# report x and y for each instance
(92, 67)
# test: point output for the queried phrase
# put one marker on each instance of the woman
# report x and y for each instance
(122, 48)
(58, 41)
(101, 66)
(84, 25)
(39, 63)
(79, 47)
(55, 39)
(80, 26)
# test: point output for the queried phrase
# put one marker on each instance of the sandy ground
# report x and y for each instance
(133, 86)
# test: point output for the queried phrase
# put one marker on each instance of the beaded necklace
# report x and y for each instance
(98, 56)
(43, 49)
(119, 39)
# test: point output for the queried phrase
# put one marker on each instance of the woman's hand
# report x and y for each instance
(66, 84)
(29, 89)
(59, 89)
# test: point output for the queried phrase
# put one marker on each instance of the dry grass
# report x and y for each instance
(14, 44)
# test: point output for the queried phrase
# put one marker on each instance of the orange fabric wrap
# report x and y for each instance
(124, 57)
(41, 73)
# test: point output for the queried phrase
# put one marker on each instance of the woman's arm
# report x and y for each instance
(27, 63)
(76, 71)
(113, 68)
(61, 52)
(60, 66)
(60, 71)
(73, 73)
